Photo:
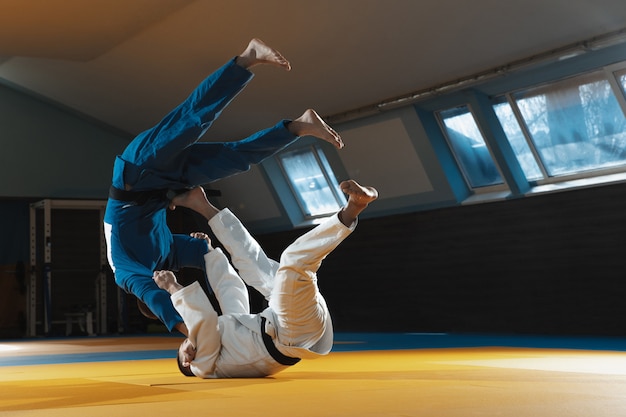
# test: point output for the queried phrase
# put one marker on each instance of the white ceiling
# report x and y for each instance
(127, 62)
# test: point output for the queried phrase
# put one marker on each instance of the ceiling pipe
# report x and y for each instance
(558, 54)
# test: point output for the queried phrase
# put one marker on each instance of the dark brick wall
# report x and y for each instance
(549, 264)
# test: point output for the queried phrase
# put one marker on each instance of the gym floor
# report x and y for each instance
(365, 375)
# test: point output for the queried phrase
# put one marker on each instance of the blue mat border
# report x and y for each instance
(351, 342)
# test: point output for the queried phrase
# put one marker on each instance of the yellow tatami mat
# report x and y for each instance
(488, 381)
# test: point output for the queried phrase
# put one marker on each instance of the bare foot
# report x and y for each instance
(188, 199)
(358, 194)
(359, 198)
(258, 52)
(311, 124)
(196, 200)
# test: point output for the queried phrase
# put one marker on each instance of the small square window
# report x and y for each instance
(312, 181)
(469, 147)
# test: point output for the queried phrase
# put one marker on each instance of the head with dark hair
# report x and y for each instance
(145, 310)
(185, 370)
(186, 353)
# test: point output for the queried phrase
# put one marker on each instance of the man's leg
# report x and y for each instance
(258, 53)
(359, 197)
(158, 147)
(202, 163)
(300, 308)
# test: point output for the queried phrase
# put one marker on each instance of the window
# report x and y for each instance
(571, 126)
(312, 181)
(469, 147)
(518, 141)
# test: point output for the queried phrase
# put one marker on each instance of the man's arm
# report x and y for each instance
(166, 280)
(200, 318)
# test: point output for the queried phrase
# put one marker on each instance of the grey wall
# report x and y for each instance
(550, 264)
(51, 153)
(389, 151)
(48, 152)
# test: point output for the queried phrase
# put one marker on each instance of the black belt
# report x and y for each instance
(141, 197)
(273, 351)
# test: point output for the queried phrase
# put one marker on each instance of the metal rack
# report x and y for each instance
(47, 206)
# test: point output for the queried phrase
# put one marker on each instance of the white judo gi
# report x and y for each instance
(296, 323)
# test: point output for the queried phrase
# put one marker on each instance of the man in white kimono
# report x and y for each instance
(296, 324)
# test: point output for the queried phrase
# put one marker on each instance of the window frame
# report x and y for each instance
(610, 73)
(326, 171)
(486, 189)
(280, 183)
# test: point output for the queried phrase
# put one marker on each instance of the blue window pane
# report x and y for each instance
(470, 148)
(518, 142)
(310, 183)
(576, 124)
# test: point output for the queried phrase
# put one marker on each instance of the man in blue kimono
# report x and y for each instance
(167, 160)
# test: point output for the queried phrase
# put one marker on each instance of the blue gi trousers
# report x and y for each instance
(168, 156)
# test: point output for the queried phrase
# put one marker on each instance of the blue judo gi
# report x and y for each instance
(168, 157)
